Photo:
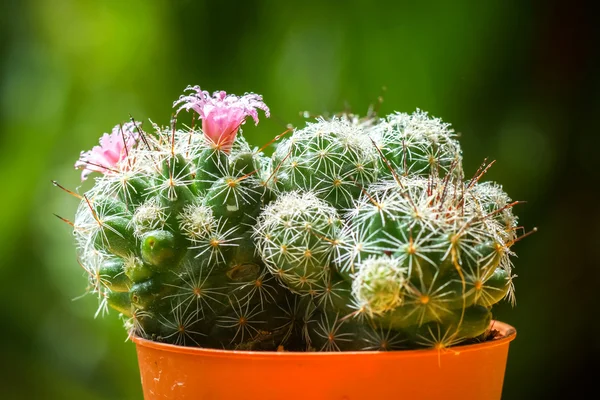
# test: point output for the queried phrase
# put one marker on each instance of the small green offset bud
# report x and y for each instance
(160, 249)
(380, 284)
(112, 272)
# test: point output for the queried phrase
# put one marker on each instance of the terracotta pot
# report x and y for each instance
(471, 372)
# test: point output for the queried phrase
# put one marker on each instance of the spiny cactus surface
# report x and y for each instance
(354, 235)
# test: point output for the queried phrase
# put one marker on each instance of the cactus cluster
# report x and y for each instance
(354, 235)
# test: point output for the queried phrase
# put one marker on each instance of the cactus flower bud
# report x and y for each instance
(112, 149)
(222, 114)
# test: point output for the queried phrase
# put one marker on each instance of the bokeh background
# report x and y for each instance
(517, 79)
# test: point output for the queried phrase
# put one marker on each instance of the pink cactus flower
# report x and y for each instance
(113, 149)
(222, 114)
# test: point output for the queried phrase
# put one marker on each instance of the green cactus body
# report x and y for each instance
(333, 159)
(415, 144)
(421, 255)
(354, 235)
(296, 239)
(177, 257)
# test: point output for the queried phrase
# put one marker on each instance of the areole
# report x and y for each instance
(469, 372)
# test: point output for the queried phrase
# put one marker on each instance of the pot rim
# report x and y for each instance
(507, 334)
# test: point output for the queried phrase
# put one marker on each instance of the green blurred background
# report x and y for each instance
(518, 80)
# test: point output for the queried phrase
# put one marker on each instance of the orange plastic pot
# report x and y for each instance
(471, 372)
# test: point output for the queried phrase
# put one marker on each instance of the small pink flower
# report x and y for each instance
(222, 114)
(113, 148)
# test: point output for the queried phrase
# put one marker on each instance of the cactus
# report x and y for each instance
(403, 247)
(415, 144)
(331, 158)
(354, 235)
(165, 234)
